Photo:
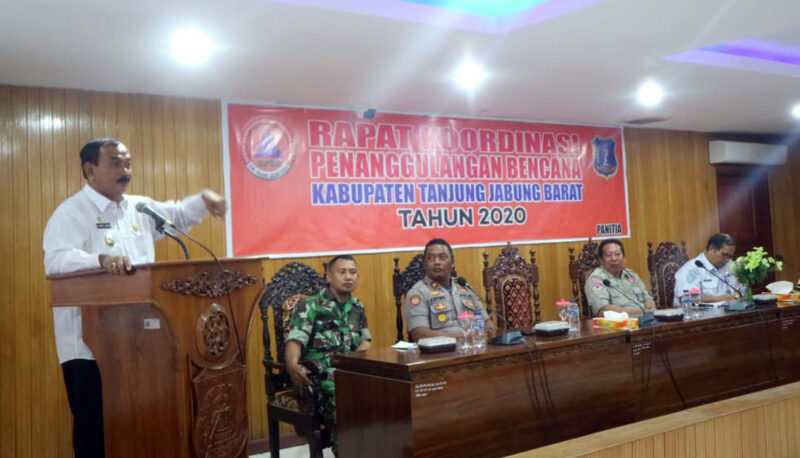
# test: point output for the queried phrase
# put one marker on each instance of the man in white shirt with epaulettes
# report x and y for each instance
(99, 227)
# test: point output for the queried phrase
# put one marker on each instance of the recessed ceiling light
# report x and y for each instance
(191, 46)
(469, 75)
(650, 94)
(796, 111)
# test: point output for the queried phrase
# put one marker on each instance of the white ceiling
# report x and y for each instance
(581, 67)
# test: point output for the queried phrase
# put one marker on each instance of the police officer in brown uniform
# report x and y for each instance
(433, 303)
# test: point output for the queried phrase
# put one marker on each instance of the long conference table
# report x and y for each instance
(501, 400)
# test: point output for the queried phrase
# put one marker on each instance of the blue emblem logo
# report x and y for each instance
(605, 159)
(267, 148)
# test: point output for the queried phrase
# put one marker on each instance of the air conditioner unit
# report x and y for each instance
(725, 152)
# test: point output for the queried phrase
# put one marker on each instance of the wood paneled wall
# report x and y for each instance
(176, 148)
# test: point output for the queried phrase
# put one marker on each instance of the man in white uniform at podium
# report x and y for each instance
(99, 227)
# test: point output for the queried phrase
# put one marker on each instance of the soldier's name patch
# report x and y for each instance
(414, 300)
(597, 286)
(103, 225)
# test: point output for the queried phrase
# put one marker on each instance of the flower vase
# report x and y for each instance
(749, 294)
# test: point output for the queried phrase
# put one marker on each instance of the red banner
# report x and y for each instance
(305, 181)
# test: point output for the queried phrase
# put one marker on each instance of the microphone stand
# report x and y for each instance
(607, 283)
(701, 265)
(161, 227)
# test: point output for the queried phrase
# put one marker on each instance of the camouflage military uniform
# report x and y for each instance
(430, 304)
(598, 295)
(324, 327)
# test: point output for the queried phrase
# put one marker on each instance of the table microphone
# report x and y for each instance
(608, 284)
(699, 263)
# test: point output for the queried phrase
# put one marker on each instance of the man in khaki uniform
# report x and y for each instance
(626, 292)
(433, 303)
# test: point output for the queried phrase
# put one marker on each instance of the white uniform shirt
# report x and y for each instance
(690, 276)
(87, 225)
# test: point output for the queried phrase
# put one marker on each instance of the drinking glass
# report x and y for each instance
(562, 311)
(465, 323)
(696, 298)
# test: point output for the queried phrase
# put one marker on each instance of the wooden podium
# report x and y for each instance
(171, 351)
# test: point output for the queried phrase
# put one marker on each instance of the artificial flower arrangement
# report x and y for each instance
(753, 267)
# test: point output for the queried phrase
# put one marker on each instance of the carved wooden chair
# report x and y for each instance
(291, 284)
(513, 280)
(663, 264)
(402, 282)
(579, 270)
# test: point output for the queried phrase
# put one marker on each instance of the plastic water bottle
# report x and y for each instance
(478, 331)
(686, 304)
(574, 317)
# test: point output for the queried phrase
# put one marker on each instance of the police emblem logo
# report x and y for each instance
(468, 303)
(414, 300)
(109, 240)
(267, 148)
(442, 318)
(440, 306)
(463, 290)
(434, 293)
(597, 286)
(604, 156)
(434, 284)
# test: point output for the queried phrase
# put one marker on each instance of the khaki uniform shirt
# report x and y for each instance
(430, 304)
(628, 284)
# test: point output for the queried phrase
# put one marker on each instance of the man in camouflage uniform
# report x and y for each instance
(332, 321)
(433, 303)
(627, 293)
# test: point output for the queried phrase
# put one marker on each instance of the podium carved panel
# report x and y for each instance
(221, 422)
(213, 332)
(213, 283)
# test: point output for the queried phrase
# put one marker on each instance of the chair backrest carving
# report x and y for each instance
(513, 281)
(291, 284)
(663, 264)
(402, 282)
(579, 269)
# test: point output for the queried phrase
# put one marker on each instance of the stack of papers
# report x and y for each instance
(403, 345)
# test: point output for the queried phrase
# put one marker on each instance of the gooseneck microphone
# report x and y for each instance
(699, 263)
(163, 224)
(160, 219)
(607, 283)
(463, 282)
